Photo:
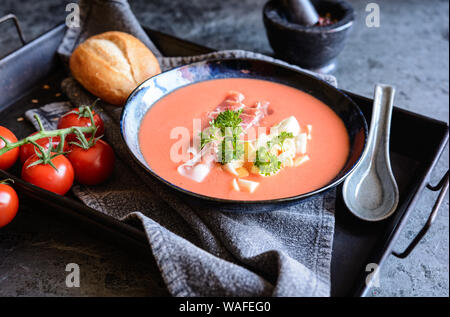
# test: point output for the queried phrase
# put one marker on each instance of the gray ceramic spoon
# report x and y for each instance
(370, 191)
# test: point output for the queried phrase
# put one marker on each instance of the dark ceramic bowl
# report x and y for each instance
(155, 88)
(311, 47)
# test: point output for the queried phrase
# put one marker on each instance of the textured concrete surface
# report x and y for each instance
(410, 49)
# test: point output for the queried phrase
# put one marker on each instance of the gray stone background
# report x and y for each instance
(409, 50)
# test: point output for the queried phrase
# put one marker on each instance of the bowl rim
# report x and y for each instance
(234, 201)
(343, 24)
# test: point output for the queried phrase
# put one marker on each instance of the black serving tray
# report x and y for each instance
(416, 144)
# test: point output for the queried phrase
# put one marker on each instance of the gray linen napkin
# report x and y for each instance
(201, 249)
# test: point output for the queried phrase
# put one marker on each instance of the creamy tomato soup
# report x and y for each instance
(268, 104)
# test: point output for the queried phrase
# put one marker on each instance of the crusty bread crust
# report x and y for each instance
(112, 64)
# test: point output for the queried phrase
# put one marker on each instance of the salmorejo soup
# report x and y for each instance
(243, 139)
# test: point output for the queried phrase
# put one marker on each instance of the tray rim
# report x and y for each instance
(411, 205)
(138, 237)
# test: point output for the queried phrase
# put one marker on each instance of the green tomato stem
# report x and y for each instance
(7, 181)
(41, 126)
(45, 134)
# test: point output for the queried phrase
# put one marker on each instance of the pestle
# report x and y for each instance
(300, 11)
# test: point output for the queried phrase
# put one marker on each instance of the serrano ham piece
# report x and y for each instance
(233, 101)
(200, 165)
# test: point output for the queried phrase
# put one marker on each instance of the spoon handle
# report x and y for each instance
(381, 120)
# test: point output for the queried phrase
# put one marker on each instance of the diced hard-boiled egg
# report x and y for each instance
(235, 185)
(242, 172)
(254, 170)
(300, 160)
(289, 125)
(301, 141)
(285, 152)
(284, 156)
(247, 185)
(275, 150)
(289, 147)
(229, 167)
(288, 162)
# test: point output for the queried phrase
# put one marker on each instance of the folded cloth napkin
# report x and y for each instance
(201, 249)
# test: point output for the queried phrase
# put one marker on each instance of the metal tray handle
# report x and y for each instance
(16, 23)
(443, 187)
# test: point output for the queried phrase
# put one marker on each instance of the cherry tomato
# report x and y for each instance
(27, 150)
(80, 119)
(94, 165)
(9, 204)
(45, 176)
(9, 158)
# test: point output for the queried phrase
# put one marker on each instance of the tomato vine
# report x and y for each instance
(79, 131)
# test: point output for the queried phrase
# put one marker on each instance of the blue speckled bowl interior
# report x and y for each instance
(155, 88)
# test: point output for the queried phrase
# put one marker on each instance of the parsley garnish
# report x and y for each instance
(208, 135)
(228, 125)
(228, 119)
(231, 148)
(280, 138)
(266, 162)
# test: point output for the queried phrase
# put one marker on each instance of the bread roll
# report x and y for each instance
(112, 64)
